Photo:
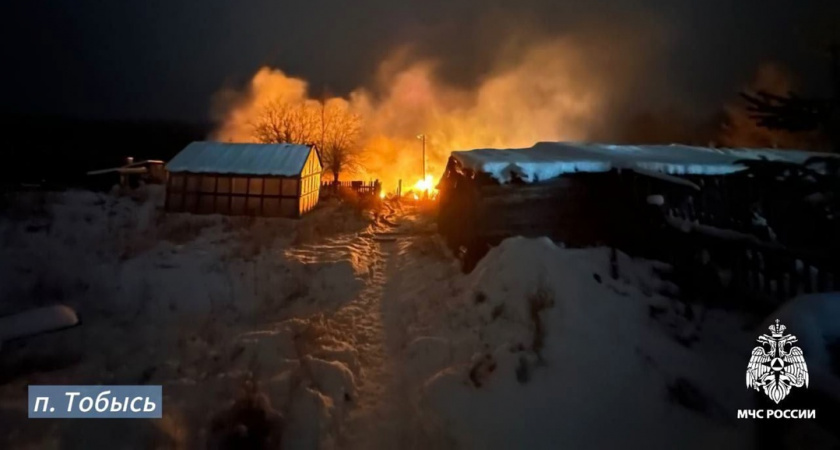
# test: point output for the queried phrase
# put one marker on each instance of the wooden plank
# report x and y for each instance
(247, 195)
(262, 198)
(216, 195)
(299, 196)
(230, 197)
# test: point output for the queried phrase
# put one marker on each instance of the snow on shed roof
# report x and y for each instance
(547, 160)
(245, 159)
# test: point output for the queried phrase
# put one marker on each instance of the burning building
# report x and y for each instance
(274, 180)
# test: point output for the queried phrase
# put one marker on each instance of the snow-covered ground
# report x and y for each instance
(205, 305)
(346, 330)
(566, 355)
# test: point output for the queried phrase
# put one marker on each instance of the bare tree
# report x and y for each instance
(331, 125)
(287, 122)
(340, 132)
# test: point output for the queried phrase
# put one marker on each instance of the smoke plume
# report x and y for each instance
(556, 89)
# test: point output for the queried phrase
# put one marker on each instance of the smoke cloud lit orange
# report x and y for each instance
(551, 91)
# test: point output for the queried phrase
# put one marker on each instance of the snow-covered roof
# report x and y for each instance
(250, 159)
(547, 160)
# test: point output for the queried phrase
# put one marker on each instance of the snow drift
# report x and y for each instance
(566, 356)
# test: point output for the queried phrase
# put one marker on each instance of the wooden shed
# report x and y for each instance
(585, 194)
(273, 180)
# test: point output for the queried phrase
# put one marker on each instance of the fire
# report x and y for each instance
(548, 91)
(425, 187)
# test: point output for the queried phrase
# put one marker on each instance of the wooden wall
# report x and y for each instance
(310, 186)
(234, 195)
(574, 209)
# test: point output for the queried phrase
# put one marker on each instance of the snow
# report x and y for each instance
(547, 160)
(246, 159)
(346, 340)
(332, 377)
(199, 304)
(812, 318)
(604, 362)
(36, 321)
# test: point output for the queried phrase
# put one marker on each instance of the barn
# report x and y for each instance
(584, 194)
(272, 180)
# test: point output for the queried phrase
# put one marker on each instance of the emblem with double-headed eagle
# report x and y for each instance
(775, 369)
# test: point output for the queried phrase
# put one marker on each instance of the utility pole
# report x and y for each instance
(422, 137)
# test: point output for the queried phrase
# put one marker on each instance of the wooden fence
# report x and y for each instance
(712, 230)
(332, 188)
(714, 264)
(716, 248)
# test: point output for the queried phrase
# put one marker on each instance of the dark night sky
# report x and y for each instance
(166, 58)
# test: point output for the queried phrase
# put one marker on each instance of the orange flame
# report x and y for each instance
(425, 187)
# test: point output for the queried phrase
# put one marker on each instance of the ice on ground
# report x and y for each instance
(562, 351)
